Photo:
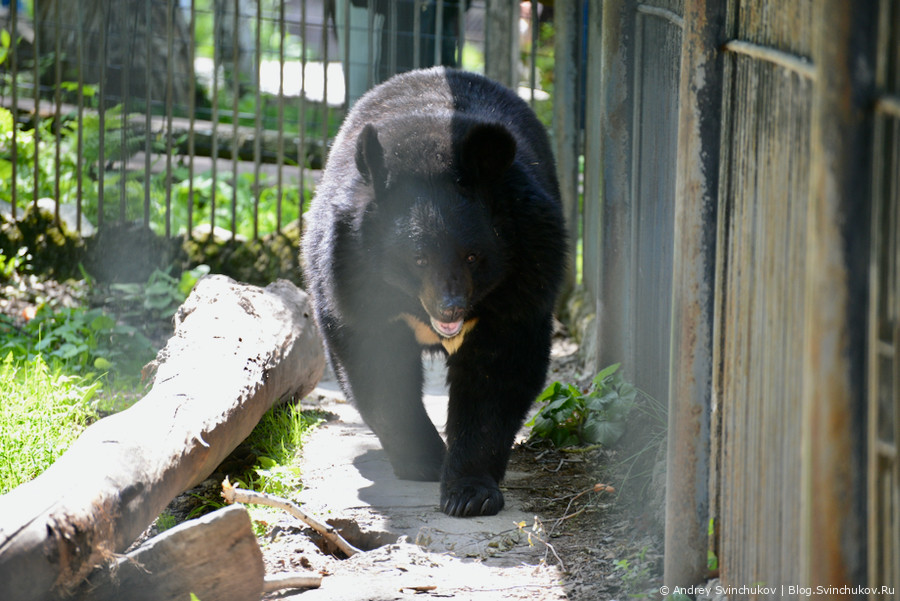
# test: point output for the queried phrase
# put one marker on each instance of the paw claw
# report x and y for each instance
(469, 497)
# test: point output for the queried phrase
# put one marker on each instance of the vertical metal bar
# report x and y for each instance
(192, 117)
(57, 114)
(301, 138)
(148, 123)
(101, 162)
(257, 135)
(461, 32)
(616, 280)
(346, 61)
(13, 60)
(417, 33)
(565, 123)
(833, 457)
(280, 158)
(438, 32)
(79, 158)
(325, 111)
(170, 100)
(214, 154)
(501, 26)
(587, 223)
(391, 31)
(532, 63)
(37, 116)
(373, 51)
(125, 98)
(235, 113)
(691, 350)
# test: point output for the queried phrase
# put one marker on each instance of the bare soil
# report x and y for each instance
(596, 531)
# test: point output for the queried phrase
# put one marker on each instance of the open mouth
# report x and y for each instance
(447, 329)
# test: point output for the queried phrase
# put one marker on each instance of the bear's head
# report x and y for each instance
(439, 211)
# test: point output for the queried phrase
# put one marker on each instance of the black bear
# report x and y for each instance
(438, 225)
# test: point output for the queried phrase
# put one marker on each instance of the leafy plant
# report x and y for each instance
(635, 572)
(161, 295)
(275, 441)
(10, 266)
(570, 417)
(83, 339)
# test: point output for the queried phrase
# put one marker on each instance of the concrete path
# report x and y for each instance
(346, 475)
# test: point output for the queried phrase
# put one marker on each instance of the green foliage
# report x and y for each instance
(275, 442)
(228, 191)
(635, 572)
(160, 296)
(42, 411)
(84, 340)
(10, 265)
(5, 40)
(712, 560)
(87, 340)
(570, 417)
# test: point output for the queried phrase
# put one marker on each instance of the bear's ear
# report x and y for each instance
(487, 150)
(370, 157)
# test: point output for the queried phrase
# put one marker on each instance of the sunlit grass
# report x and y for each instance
(42, 411)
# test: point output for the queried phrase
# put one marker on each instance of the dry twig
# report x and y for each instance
(285, 581)
(240, 495)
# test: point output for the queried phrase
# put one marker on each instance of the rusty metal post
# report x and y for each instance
(501, 39)
(690, 379)
(566, 119)
(833, 533)
(615, 283)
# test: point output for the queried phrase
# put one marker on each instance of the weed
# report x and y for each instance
(640, 456)
(570, 417)
(635, 572)
(165, 521)
(274, 442)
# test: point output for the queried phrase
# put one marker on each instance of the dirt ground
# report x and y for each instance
(596, 531)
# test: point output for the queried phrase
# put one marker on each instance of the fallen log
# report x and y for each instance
(236, 350)
(214, 557)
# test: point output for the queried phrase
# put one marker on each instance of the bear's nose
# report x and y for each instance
(451, 309)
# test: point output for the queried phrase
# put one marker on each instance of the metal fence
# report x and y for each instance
(192, 116)
(740, 245)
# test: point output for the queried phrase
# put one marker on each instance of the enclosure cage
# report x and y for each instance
(199, 116)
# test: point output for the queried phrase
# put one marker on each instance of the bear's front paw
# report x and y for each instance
(467, 497)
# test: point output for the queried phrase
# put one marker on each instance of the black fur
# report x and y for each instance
(439, 205)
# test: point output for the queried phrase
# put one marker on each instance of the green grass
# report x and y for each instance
(276, 442)
(42, 411)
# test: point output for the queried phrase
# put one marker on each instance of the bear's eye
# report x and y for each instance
(471, 258)
(421, 262)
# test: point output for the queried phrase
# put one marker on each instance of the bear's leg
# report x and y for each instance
(494, 378)
(381, 373)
